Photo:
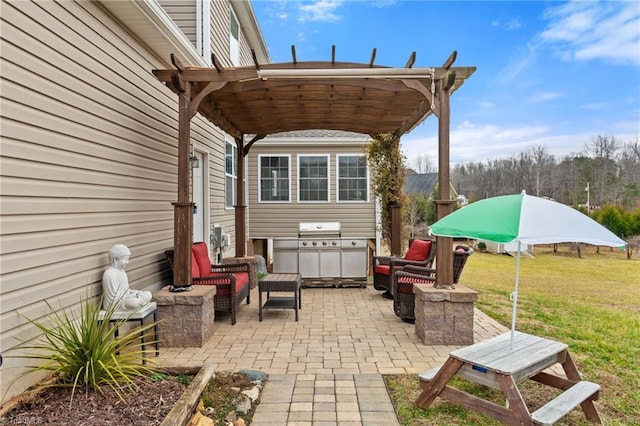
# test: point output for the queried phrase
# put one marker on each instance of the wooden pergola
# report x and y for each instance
(252, 102)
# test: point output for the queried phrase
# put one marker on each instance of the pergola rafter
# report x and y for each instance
(263, 99)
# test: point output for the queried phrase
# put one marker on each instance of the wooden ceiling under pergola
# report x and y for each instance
(252, 102)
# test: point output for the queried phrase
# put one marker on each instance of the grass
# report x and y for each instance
(590, 303)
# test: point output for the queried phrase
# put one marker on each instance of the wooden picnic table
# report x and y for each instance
(496, 364)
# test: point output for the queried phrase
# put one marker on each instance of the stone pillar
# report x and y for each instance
(185, 318)
(253, 267)
(443, 316)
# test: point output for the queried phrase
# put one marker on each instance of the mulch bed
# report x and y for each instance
(149, 405)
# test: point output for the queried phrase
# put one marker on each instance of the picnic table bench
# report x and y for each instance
(497, 364)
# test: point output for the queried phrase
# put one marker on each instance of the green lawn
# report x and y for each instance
(590, 303)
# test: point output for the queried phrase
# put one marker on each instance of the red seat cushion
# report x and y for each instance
(242, 279)
(382, 269)
(418, 251)
(195, 270)
(201, 253)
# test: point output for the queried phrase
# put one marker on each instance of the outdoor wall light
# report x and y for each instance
(399, 73)
(195, 162)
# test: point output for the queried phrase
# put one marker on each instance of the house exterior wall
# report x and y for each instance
(88, 159)
(183, 13)
(280, 219)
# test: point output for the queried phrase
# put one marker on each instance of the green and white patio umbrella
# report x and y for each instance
(524, 219)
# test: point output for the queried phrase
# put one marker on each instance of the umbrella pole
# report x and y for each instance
(514, 298)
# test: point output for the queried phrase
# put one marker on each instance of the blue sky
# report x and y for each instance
(548, 73)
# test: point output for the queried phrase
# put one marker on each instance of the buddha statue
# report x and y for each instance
(115, 283)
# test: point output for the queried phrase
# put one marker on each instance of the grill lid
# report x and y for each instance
(312, 229)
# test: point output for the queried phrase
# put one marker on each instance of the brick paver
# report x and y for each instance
(325, 369)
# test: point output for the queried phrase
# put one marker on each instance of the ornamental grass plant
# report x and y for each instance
(78, 348)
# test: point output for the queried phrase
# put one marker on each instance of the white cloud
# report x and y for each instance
(319, 11)
(473, 142)
(487, 105)
(544, 97)
(516, 65)
(482, 142)
(513, 24)
(594, 106)
(595, 30)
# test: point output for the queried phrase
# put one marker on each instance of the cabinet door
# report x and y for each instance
(330, 264)
(309, 264)
(354, 263)
(285, 261)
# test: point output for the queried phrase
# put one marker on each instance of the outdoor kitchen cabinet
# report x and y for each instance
(321, 252)
(285, 256)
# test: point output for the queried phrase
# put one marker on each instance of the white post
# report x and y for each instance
(588, 200)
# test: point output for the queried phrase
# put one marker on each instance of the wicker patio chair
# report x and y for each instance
(403, 281)
(231, 280)
(422, 252)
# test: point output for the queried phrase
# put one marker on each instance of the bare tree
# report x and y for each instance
(603, 150)
(423, 164)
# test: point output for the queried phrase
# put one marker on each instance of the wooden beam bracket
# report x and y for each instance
(176, 63)
(412, 60)
(450, 60)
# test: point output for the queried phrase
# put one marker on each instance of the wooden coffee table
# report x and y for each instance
(280, 283)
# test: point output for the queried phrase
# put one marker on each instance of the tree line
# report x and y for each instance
(606, 172)
(603, 181)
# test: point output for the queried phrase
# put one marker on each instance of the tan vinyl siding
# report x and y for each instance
(220, 31)
(89, 154)
(280, 219)
(183, 13)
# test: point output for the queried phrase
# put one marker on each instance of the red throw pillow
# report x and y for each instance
(419, 250)
(201, 253)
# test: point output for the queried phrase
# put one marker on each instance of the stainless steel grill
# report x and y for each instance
(320, 252)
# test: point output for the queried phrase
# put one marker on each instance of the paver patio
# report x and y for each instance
(325, 369)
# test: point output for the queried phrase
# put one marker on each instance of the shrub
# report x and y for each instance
(81, 349)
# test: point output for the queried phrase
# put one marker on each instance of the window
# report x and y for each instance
(274, 178)
(352, 178)
(230, 174)
(313, 178)
(234, 39)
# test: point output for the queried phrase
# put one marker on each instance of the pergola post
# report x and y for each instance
(241, 230)
(444, 246)
(396, 230)
(183, 209)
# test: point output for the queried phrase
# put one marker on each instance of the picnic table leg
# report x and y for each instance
(517, 406)
(588, 408)
(440, 380)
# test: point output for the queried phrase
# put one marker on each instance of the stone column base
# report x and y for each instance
(443, 316)
(253, 267)
(186, 318)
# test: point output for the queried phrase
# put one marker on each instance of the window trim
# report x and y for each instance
(338, 200)
(328, 178)
(234, 176)
(260, 157)
(234, 49)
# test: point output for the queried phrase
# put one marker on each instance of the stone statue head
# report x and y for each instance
(119, 256)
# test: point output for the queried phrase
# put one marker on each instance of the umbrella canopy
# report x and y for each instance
(527, 220)
(524, 218)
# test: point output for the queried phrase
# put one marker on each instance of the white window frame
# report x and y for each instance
(260, 157)
(366, 199)
(328, 157)
(234, 42)
(233, 175)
